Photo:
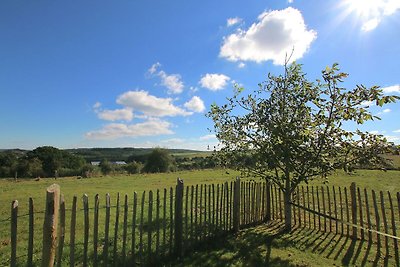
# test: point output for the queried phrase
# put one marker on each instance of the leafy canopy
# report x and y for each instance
(291, 130)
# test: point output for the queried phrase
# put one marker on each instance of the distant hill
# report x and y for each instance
(122, 154)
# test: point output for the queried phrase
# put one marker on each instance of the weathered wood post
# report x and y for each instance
(353, 210)
(236, 205)
(14, 218)
(178, 218)
(50, 225)
(62, 231)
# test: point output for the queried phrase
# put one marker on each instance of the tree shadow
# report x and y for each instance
(250, 247)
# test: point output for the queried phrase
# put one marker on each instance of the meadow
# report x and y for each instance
(25, 188)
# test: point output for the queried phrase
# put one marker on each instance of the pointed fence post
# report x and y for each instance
(268, 201)
(236, 205)
(50, 225)
(14, 219)
(178, 218)
(353, 210)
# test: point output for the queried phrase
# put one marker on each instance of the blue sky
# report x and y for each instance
(144, 73)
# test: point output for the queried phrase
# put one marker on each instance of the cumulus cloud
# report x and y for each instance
(214, 81)
(97, 105)
(378, 11)
(241, 65)
(392, 89)
(150, 105)
(208, 137)
(370, 24)
(397, 131)
(111, 131)
(369, 103)
(275, 34)
(173, 82)
(195, 104)
(233, 21)
(125, 114)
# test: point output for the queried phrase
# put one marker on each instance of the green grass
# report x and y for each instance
(265, 245)
(23, 189)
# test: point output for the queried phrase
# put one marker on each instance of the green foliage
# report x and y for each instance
(133, 167)
(290, 129)
(159, 161)
(105, 167)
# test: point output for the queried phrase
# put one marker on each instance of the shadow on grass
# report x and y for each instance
(257, 246)
(267, 245)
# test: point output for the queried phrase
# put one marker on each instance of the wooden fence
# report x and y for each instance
(142, 229)
(146, 228)
(366, 215)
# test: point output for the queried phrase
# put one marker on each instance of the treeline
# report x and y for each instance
(159, 160)
(49, 161)
(43, 161)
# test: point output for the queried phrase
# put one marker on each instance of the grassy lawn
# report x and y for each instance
(242, 250)
(265, 245)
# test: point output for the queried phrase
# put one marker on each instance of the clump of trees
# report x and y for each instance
(43, 161)
(291, 130)
(159, 160)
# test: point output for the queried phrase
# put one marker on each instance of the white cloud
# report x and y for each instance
(392, 89)
(150, 105)
(392, 138)
(233, 21)
(195, 104)
(173, 82)
(367, 103)
(208, 137)
(387, 110)
(290, 1)
(154, 67)
(390, 7)
(173, 141)
(371, 12)
(97, 105)
(151, 127)
(397, 131)
(214, 81)
(241, 65)
(275, 34)
(125, 114)
(370, 24)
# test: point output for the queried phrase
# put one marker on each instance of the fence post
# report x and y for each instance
(178, 217)
(353, 209)
(50, 225)
(236, 205)
(268, 201)
(14, 218)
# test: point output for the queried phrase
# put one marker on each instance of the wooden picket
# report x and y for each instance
(171, 222)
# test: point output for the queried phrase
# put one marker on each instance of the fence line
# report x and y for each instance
(169, 223)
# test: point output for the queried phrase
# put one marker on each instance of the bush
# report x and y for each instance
(159, 161)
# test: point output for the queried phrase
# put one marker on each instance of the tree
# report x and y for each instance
(105, 167)
(50, 157)
(8, 164)
(159, 160)
(133, 167)
(291, 130)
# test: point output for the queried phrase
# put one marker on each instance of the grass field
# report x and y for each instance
(23, 189)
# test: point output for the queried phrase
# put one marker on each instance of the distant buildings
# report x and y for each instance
(97, 163)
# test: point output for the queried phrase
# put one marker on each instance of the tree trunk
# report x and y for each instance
(287, 199)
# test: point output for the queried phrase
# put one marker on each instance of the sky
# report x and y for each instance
(144, 73)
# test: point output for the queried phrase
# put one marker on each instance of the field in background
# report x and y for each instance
(25, 188)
